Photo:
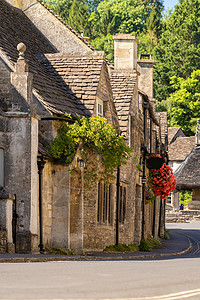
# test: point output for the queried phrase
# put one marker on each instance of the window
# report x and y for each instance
(1, 167)
(99, 108)
(122, 204)
(104, 205)
(130, 131)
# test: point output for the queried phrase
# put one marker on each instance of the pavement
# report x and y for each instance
(178, 244)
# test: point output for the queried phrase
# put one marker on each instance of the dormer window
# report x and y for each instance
(99, 108)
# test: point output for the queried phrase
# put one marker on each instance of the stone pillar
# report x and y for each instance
(195, 203)
(21, 176)
(6, 239)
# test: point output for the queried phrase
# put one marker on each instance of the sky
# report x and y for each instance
(170, 3)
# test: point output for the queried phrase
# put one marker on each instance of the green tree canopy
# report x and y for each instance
(78, 16)
(184, 103)
(61, 7)
(178, 51)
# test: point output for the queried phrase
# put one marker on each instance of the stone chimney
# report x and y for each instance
(146, 75)
(125, 52)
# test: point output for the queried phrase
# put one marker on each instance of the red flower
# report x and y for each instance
(163, 181)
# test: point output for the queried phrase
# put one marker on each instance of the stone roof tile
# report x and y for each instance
(48, 88)
(123, 85)
(188, 175)
(180, 148)
(82, 85)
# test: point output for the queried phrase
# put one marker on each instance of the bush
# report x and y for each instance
(149, 244)
(59, 251)
(121, 248)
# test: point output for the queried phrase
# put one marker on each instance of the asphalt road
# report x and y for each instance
(158, 278)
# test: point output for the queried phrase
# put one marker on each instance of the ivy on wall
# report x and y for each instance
(97, 141)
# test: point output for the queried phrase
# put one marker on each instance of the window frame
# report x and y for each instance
(2, 167)
(104, 204)
(99, 103)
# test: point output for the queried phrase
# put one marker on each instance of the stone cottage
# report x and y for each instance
(187, 175)
(47, 70)
(179, 147)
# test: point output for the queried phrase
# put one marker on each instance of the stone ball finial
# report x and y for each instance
(21, 47)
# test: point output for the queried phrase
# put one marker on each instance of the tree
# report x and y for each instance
(184, 103)
(178, 51)
(61, 7)
(78, 16)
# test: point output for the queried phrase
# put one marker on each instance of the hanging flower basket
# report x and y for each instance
(163, 181)
(154, 161)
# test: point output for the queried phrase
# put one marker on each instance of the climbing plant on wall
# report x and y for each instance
(97, 141)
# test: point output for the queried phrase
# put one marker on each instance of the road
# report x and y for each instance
(163, 278)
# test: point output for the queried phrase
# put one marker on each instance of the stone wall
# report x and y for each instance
(76, 211)
(56, 201)
(21, 177)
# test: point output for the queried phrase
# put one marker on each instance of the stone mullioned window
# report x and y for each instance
(104, 205)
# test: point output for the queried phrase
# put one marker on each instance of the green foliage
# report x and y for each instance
(58, 251)
(60, 7)
(184, 103)
(101, 19)
(106, 44)
(185, 197)
(97, 139)
(144, 246)
(78, 16)
(178, 51)
(166, 234)
(149, 244)
(121, 248)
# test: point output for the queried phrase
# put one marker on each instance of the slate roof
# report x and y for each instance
(180, 148)
(172, 133)
(188, 174)
(123, 86)
(80, 72)
(16, 28)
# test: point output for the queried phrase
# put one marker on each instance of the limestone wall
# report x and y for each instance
(21, 177)
(55, 192)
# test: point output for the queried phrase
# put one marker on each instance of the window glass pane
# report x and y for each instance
(109, 204)
(99, 203)
(100, 108)
(105, 204)
(2, 167)
(124, 204)
(120, 204)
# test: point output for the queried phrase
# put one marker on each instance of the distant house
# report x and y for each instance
(179, 147)
(48, 70)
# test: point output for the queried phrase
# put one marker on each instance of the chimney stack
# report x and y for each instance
(145, 83)
(125, 52)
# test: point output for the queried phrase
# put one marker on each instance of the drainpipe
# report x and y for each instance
(117, 206)
(41, 164)
(144, 151)
(154, 219)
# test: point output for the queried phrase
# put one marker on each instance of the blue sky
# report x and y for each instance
(170, 3)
